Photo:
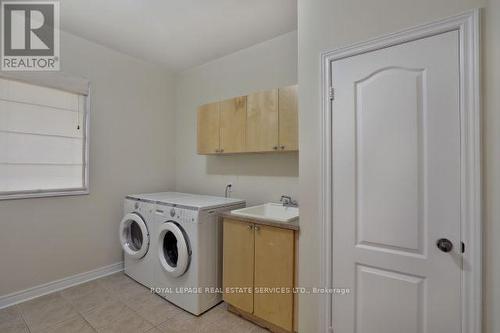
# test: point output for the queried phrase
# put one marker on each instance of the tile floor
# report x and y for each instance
(114, 304)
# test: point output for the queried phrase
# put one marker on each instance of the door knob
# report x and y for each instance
(444, 245)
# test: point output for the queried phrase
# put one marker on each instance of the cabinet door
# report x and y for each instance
(288, 119)
(238, 263)
(274, 267)
(208, 128)
(262, 121)
(233, 116)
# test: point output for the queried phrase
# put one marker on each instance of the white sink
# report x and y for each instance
(269, 211)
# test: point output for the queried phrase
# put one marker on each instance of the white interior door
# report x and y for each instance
(396, 188)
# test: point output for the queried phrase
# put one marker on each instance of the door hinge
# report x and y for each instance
(331, 93)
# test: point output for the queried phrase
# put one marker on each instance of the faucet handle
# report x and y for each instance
(285, 198)
(288, 201)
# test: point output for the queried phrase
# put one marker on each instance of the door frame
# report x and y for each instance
(468, 26)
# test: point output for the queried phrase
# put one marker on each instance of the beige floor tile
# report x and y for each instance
(258, 329)
(116, 304)
(222, 306)
(153, 308)
(46, 311)
(10, 313)
(76, 325)
(111, 281)
(214, 314)
(216, 320)
(102, 314)
(114, 281)
(87, 296)
(121, 286)
(231, 322)
(11, 321)
(214, 328)
(80, 290)
(116, 317)
(186, 322)
(154, 330)
(180, 323)
(17, 326)
(131, 292)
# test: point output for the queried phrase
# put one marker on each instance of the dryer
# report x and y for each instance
(188, 270)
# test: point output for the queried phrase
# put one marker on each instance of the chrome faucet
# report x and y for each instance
(288, 201)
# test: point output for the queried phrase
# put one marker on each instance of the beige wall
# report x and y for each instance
(329, 24)
(255, 177)
(131, 150)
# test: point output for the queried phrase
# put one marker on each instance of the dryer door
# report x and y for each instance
(134, 236)
(174, 249)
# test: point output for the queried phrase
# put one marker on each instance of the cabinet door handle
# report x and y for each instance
(282, 147)
(221, 151)
(257, 228)
(250, 227)
(275, 147)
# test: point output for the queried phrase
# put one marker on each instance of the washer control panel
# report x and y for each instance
(176, 214)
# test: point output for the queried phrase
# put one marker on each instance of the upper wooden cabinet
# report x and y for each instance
(288, 119)
(233, 117)
(221, 126)
(264, 121)
(208, 128)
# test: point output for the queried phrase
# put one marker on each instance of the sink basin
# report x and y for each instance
(269, 211)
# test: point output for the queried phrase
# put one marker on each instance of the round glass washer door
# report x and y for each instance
(173, 249)
(134, 236)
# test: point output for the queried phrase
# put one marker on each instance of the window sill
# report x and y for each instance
(43, 194)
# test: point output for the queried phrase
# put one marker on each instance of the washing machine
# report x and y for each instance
(136, 230)
(188, 270)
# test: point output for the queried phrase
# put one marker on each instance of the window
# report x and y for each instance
(43, 140)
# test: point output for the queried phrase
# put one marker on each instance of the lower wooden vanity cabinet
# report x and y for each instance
(238, 264)
(258, 273)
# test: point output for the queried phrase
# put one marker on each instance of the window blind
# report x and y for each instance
(42, 139)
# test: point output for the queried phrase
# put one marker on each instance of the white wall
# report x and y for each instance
(255, 177)
(131, 150)
(329, 24)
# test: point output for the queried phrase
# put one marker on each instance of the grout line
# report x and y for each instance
(22, 317)
(114, 297)
(79, 313)
(85, 320)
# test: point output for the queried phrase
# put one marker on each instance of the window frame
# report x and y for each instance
(60, 192)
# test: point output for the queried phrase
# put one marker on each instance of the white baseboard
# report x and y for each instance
(47, 288)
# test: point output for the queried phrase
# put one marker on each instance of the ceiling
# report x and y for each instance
(178, 34)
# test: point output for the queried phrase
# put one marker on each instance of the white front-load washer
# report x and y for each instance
(135, 238)
(188, 271)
